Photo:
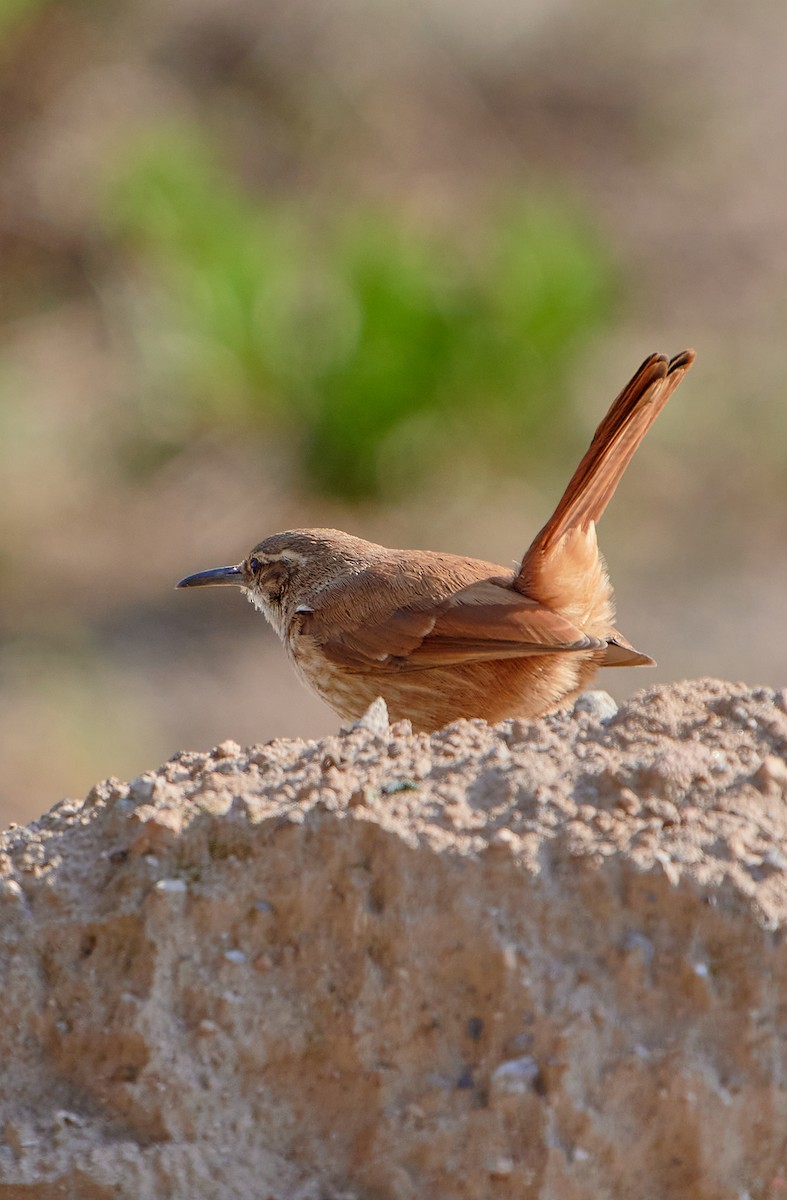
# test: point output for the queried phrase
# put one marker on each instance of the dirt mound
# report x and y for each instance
(536, 960)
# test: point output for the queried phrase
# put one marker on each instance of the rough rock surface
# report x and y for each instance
(537, 960)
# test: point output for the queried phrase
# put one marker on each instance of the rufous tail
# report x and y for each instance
(593, 483)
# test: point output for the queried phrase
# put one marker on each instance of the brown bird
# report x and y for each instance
(440, 636)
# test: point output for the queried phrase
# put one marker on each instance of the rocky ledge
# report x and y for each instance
(535, 960)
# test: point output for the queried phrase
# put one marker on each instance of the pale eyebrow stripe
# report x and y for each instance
(286, 555)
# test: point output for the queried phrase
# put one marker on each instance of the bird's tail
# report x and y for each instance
(593, 483)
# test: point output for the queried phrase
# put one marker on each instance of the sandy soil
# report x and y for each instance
(537, 960)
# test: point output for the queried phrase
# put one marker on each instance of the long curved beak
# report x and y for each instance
(216, 575)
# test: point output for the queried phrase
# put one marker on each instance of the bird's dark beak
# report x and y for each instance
(216, 575)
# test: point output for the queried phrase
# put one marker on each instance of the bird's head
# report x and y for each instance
(283, 574)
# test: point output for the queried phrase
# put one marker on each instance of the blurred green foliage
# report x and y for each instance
(14, 12)
(374, 345)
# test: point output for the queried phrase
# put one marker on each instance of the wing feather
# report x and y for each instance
(481, 622)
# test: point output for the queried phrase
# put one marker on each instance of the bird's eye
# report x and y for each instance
(270, 577)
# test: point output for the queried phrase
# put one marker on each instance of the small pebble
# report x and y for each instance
(501, 1168)
(228, 749)
(518, 1075)
(597, 704)
(171, 887)
(629, 801)
(65, 1118)
(11, 890)
(375, 719)
(140, 790)
(771, 775)
(504, 839)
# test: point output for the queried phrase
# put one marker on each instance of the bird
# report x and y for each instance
(441, 636)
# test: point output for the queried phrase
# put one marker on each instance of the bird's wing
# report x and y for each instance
(482, 621)
(621, 653)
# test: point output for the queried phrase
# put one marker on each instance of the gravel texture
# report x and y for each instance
(536, 960)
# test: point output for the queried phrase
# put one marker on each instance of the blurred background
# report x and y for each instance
(383, 266)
